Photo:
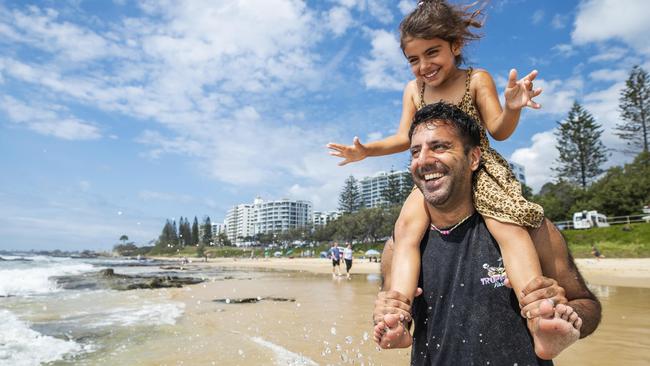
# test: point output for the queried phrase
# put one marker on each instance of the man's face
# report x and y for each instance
(439, 165)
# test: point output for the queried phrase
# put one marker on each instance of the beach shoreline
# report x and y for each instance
(624, 272)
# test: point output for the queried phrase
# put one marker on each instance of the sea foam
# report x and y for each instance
(22, 346)
(283, 356)
(36, 279)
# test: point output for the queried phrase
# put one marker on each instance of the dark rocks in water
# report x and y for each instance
(108, 279)
(181, 268)
(252, 300)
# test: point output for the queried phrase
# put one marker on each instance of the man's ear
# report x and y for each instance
(475, 158)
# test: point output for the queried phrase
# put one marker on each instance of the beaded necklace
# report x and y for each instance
(448, 231)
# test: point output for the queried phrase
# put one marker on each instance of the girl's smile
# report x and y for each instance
(431, 60)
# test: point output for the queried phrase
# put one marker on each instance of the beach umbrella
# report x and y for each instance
(372, 253)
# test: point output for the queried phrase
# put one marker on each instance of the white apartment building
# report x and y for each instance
(281, 215)
(261, 217)
(519, 171)
(217, 228)
(321, 218)
(371, 187)
(239, 223)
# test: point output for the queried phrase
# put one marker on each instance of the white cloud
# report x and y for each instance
(559, 21)
(339, 20)
(558, 95)
(538, 16)
(602, 20)
(406, 6)
(608, 54)
(565, 50)
(609, 75)
(50, 120)
(538, 159)
(385, 68)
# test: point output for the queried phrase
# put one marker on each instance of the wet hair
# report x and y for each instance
(438, 19)
(444, 113)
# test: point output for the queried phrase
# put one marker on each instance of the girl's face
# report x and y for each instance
(432, 60)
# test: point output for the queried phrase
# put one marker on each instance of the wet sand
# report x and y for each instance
(328, 322)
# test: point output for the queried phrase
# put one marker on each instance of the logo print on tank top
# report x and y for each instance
(495, 275)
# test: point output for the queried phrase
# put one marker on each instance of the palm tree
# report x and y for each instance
(124, 238)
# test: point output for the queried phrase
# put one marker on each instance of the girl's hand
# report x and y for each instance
(355, 152)
(520, 94)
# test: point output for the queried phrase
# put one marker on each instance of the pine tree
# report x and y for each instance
(350, 199)
(195, 231)
(634, 105)
(391, 194)
(407, 184)
(581, 151)
(207, 231)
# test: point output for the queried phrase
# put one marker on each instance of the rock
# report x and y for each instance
(108, 279)
(252, 300)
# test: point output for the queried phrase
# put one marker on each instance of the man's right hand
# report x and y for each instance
(538, 290)
(392, 302)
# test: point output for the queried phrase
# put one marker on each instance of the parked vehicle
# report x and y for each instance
(589, 219)
(646, 210)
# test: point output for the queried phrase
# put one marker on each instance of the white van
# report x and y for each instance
(589, 219)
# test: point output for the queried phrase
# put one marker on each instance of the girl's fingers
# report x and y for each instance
(336, 153)
(536, 92)
(512, 78)
(531, 76)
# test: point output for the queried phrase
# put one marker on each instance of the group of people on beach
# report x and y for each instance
(335, 254)
(466, 235)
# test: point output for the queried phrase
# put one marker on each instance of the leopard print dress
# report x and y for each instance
(497, 193)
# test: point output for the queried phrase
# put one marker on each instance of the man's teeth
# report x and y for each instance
(432, 176)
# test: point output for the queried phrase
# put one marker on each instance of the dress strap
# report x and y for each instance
(467, 80)
(422, 96)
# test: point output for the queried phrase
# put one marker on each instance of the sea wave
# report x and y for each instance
(283, 356)
(147, 314)
(36, 279)
(22, 346)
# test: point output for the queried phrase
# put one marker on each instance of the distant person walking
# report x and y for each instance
(347, 255)
(335, 255)
(596, 253)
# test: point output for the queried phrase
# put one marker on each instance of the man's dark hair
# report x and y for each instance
(465, 126)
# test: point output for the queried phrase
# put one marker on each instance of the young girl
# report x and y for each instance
(432, 37)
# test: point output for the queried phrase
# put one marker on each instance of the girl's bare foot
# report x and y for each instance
(554, 330)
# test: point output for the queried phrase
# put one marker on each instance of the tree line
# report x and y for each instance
(581, 182)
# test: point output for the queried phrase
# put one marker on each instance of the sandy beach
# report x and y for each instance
(634, 272)
(328, 320)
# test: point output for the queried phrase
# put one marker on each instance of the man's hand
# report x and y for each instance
(392, 302)
(538, 290)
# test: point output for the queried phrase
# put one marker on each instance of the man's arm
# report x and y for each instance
(570, 288)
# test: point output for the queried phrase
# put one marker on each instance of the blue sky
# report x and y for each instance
(117, 115)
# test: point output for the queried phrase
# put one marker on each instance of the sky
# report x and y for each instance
(117, 115)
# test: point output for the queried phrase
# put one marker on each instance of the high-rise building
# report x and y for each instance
(281, 215)
(372, 187)
(519, 171)
(246, 220)
(239, 223)
(321, 218)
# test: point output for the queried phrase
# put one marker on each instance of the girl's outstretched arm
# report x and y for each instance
(501, 123)
(393, 144)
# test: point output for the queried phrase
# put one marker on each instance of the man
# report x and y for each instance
(464, 315)
(335, 255)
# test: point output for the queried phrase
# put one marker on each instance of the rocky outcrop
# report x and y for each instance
(252, 300)
(108, 279)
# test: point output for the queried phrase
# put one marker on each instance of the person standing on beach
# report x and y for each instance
(335, 255)
(466, 315)
(347, 256)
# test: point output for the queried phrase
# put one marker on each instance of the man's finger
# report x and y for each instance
(418, 292)
(537, 283)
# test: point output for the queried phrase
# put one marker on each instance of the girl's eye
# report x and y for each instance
(413, 61)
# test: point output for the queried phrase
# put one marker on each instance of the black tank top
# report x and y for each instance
(465, 315)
